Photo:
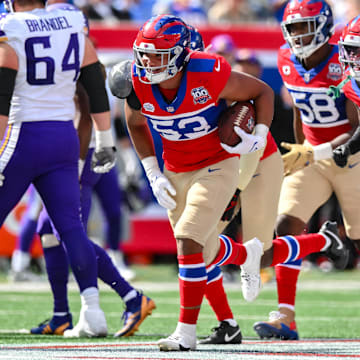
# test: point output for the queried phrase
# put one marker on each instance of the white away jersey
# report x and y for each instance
(50, 49)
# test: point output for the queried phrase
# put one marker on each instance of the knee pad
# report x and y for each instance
(49, 241)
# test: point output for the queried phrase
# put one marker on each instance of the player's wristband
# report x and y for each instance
(151, 166)
(323, 151)
(261, 130)
(104, 139)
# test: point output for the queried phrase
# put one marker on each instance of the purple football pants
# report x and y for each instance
(107, 188)
(55, 257)
(46, 154)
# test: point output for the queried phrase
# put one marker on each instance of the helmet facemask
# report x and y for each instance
(349, 56)
(315, 28)
(170, 58)
(8, 4)
(167, 37)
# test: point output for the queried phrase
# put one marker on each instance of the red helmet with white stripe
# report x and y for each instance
(349, 44)
(317, 15)
(164, 35)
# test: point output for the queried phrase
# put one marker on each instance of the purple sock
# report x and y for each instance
(81, 254)
(112, 232)
(27, 233)
(109, 274)
(57, 266)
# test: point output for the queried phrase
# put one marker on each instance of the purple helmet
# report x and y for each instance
(223, 44)
(8, 4)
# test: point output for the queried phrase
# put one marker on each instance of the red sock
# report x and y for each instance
(230, 252)
(216, 296)
(286, 279)
(192, 283)
(290, 248)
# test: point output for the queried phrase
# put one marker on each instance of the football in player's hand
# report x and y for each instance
(241, 114)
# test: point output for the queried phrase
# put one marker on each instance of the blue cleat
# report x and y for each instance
(274, 328)
(135, 313)
(56, 326)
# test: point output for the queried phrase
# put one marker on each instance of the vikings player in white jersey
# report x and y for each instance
(42, 55)
(309, 65)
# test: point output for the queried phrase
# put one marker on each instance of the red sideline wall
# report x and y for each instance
(245, 36)
(265, 37)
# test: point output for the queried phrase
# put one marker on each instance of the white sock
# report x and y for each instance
(90, 297)
(130, 295)
(60, 313)
(287, 306)
(20, 261)
(186, 329)
(231, 322)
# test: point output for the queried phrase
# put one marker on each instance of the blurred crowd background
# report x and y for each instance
(201, 12)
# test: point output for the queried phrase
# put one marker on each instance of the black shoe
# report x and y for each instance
(337, 251)
(224, 334)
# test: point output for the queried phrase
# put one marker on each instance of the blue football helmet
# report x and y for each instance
(164, 35)
(319, 18)
(196, 40)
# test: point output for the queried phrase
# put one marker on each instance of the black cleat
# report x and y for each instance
(337, 251)
(224, 334)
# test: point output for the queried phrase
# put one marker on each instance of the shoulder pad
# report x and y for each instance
(119, 79)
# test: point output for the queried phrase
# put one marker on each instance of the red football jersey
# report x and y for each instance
(188, 125)
(323, 118)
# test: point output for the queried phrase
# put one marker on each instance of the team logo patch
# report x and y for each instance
(200, 95)
(286, 70)
(335, 72)
(149, 107)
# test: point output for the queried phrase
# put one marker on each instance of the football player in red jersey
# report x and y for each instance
(309, 65)
(349, 45)
(181, 93)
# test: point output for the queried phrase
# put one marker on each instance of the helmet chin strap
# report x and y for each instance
(157, 77)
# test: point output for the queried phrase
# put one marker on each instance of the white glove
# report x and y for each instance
(2, 178)
(249, 142)
(160, 184)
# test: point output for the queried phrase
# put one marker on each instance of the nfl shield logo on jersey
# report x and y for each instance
(335, 71)
(149, 107)
(200, 95)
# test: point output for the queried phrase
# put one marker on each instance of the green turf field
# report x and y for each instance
(328, 306)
